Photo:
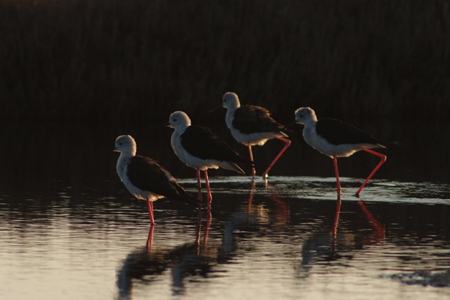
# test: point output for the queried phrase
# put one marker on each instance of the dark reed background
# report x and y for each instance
(119, 59)
(117, 66)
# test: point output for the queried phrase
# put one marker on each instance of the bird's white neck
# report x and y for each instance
(175, 139)
(230, 113)
(308, 129)
(311, 122)
(229, 117)
(131, 151)
(181, 128)
(128, 154)
(232, 106)
(122, 162)
(313, 118)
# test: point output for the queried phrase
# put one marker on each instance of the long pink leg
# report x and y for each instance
(199, 185)
(336, 221)
(288, 143)
(200, 198)
(251, 158)
(209, 199)
(205, 238)
(383, 159)
(150, 238)
(150, 212)
(336, 171)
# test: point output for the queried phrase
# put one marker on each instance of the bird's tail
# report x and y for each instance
(233, 167)
(183, 196)
(390, 144)
(247, 161)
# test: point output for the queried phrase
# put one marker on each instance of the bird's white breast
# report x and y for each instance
(121, 166)
(229, 118)
(322, 145)
(188, 159)
(250, 139)
(122, 171)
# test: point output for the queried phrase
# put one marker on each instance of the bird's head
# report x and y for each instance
(304, 115)
(179, 119)
(230, 100)
(125, 144)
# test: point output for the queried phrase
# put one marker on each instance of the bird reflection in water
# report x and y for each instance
(199, 230)
(325, 248)
(282, 210)
(251, 194)
(196, 260)
(145, 264)
(259, 214)
(378, 233)
(336, 223)
(150, 238)
(198, 235)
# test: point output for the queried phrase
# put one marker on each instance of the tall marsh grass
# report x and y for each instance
(109, 59)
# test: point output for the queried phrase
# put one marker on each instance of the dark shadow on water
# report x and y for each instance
(423, 278)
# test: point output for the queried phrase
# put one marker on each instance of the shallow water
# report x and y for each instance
(289, 239)
(70, 229)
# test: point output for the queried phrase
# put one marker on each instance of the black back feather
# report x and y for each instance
(254, 119)
(147, 175)
(201, 142)
(338, 132)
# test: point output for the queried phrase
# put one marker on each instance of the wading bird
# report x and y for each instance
(252, 125)
(145, 178)
(335, 138)
(198, 148)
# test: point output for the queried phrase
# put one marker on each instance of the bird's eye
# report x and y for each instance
(120, 144)
(174, 120)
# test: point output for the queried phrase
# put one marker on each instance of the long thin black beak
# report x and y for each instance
(159, 126)
(287, 127)
(102, 153)
(290, 124)
(215, 109)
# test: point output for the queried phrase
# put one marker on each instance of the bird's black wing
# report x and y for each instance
(201, 143)
(148, 175)
(254, 119)
(338, 132)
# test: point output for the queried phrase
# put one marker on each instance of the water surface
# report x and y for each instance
(70, 229)
(289, 239)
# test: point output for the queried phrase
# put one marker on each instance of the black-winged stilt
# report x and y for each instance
(198, 148)
(252, 125)
(145, 178)
(335, 138)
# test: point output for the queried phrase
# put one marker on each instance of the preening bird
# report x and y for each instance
(252, 125)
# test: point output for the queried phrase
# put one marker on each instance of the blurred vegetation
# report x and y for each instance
(110, 59)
